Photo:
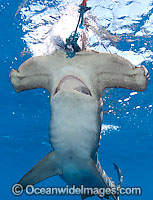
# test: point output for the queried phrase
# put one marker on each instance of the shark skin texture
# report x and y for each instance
(75, 86)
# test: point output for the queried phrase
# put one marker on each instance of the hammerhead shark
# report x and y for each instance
(75, 86)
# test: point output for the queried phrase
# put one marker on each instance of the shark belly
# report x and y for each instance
(75, 134)
(74, 126)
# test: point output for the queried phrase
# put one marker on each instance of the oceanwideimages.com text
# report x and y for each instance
(18, 190)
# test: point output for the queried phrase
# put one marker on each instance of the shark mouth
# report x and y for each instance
(70, 83)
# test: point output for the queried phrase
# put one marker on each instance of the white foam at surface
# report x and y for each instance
(42, 24)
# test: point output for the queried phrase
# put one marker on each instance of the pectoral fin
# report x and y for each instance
(44, 169)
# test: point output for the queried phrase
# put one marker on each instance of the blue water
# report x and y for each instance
(127, 136)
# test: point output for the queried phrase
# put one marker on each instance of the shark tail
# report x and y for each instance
(120, 176)
(110, 183)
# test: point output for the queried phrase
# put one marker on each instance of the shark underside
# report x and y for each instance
(75, 86)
